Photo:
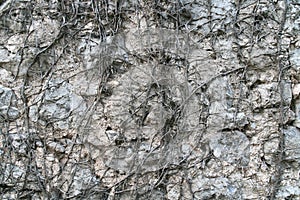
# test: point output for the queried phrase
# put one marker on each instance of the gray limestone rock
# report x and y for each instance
(296, 123)
(149, 100)
(292, 143)
(8, 109)
(232, 147)
(215, 188)
(60, 106)
(295, 59)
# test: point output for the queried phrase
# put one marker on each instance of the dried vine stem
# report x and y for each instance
(281, 73)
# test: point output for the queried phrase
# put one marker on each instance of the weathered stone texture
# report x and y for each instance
(149, 99)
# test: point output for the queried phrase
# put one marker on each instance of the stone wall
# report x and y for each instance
(161, 99)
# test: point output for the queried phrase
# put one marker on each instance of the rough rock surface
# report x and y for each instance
(160, 99)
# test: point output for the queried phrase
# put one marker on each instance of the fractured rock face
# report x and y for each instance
(295, 59)
(60, 106)
(292, 143)
(8, 111)
(219, 188)
(232, 147)
(149, 100)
